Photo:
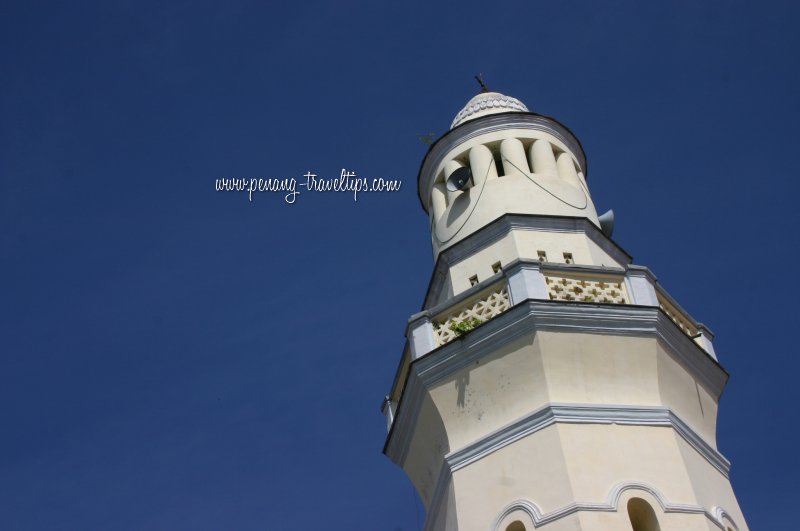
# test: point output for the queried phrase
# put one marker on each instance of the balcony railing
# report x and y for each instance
(470, 313)
(584, 288)
(525, 279)
(529, 280)
(676, 313)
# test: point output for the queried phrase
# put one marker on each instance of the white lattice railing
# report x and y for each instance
(586, 289)
(471, 313)
(677, 316)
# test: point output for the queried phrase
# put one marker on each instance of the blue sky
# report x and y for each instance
(177, 358)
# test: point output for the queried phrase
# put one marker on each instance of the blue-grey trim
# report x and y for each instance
(721, 515)
(661, 291)
(501, 227)
(644, 271)
(610, 505)
(529, 317)
(553, 267)
(586, 414)
(706, 331)
(484, 285)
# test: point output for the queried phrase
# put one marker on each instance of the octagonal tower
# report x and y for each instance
(548, 381)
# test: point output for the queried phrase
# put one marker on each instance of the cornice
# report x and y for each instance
(583, 414)
(586, 414)
(501, 227)
(611, 504)
(529, 317)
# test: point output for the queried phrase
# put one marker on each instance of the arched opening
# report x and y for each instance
(726, 521)
(642, 516)
(516, 526)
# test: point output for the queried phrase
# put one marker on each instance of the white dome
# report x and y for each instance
(488, 103)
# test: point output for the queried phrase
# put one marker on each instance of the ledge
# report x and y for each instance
(531, 316)
(502, 226)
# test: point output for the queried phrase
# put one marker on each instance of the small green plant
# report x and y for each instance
(462, 327)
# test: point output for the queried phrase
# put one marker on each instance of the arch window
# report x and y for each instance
(642, 516)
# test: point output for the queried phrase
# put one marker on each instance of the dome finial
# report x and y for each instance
(486, 102)
(479, 79)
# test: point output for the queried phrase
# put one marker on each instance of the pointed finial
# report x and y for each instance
(479, 79)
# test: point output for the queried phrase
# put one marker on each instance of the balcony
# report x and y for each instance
(544, 283)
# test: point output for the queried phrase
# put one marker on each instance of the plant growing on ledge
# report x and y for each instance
(462, 327)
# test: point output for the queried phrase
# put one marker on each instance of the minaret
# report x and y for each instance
(548, 381)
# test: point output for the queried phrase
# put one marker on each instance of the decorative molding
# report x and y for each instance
(711, 454)
(420, 335)
(461, 297)
(488, 306)
(439, 364)
(529, 317)
(525, 281)
(501, 227)
(720, 515)
(701, 366)
(555, 268)
(487, 101)
(586, 414)
(575, 286)
(551, 414)
(610, 505)
(641, 284)
(533, 315)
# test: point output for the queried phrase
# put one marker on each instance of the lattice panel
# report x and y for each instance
(677, 317)
(585, 290)
(484, 309)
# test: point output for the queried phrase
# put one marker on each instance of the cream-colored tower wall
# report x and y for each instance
(555, 367)
(546, 368)
(679, 391)
(442, 516)
(711, 489)
(588, 368)
(518, 171)
(551, 367)
(480, 264)
(666, 521)
(583, 250)
(598, 456)
(535, 464)
(502, 387)
(449, 403)
(525, 244)
(429, 443)
(568, 465)
(559, 412)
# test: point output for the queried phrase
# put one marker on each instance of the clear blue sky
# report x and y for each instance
(176, 358)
